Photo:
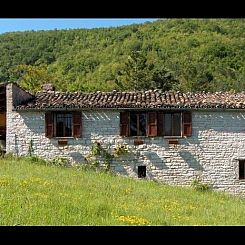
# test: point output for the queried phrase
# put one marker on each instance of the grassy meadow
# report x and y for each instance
(32, 193)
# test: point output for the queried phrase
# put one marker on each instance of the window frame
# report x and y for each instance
(138, 123)
(241, 177)
(155, 123)
(172, 124)
(142, 171)
(55, 125)
(51, 124)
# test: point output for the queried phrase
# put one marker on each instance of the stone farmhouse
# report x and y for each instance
(175, 136)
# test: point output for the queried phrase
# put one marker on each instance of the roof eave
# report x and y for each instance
(128, 109)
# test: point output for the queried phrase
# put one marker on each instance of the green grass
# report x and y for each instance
(35, 194)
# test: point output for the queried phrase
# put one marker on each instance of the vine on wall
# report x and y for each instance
(100, 155)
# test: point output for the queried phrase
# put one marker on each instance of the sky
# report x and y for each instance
(11, 25)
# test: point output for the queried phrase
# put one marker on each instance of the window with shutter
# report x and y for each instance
(138, 124)
(63, 124)
(176, 124)
(124, 123)
(49, 125)
(160, 124)
(169, 124)
(152, 124)
(187, 123)
(77, 124)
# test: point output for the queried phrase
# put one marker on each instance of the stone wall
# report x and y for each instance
(217, 141)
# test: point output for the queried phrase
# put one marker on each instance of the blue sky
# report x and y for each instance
(10, 25)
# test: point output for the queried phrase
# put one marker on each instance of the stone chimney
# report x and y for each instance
(48, 87)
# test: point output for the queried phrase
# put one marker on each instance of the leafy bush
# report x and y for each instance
(60, 162)
(10, 156)
(199, 186)
(99, 154)
(100, 157)
(120, 150)
(37, 160)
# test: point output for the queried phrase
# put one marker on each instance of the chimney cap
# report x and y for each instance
(48, 87)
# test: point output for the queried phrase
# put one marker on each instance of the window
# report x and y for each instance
(137, 124)
(172, 125)
(141, 171)
(63, 124)
(154, 123)
(241, 169)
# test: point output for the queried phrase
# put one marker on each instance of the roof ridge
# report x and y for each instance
(148, 99)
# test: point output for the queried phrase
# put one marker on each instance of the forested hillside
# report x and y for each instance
(178, 54)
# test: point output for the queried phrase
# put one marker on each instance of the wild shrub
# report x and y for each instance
(100, 157)
(198, 185)
(60, 162)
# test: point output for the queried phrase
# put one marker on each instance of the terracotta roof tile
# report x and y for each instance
(139, 99)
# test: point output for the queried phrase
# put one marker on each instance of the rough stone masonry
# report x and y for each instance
(212, 152)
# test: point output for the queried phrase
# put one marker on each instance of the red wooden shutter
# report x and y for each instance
(152, 124)
(124, 123)
(187, 123)
(160, 124)
(77, 124)
(49, 125)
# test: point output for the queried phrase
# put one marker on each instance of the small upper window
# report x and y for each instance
(241, 169)
(141, 171)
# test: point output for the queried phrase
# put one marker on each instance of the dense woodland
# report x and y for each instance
(171, 54)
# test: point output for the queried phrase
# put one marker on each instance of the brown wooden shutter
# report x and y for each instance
(124, 123)
(49, 125)
(187, 123)
(77, 124)
(152, 124)
(2, 119)
(160, 124)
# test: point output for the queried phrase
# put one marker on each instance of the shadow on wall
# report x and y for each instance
(218, 121)
(33, 121)
(77, 157)
(155, 160)
(222, 121)
(141, 158)
(127, 170)
(98, 116)
(191, 160)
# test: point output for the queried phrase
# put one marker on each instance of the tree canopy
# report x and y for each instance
(178, 54)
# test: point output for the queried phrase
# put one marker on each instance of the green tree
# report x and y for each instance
(33, 77)
(140, 75)
(136, 71)
(162, 78)
(184, 54)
